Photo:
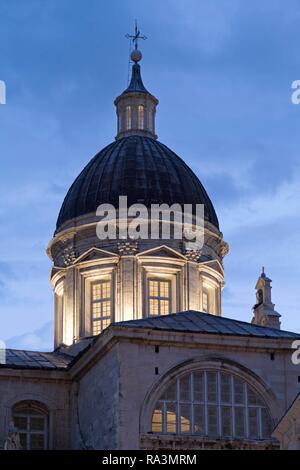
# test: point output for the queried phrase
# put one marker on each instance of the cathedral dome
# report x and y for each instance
(141, 168)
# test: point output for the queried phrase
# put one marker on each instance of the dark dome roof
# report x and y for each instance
(140, 168)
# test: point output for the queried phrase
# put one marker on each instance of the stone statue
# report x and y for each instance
(13, 439)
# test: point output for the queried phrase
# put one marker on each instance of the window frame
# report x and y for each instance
(28, 410)
(158, 297)
(219, 404)
(205, 292)
(128, 118)
(141, 117)
(100, 301)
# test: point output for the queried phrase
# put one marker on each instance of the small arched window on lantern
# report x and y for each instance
(150, 121)
(141, 117)
(128, 118)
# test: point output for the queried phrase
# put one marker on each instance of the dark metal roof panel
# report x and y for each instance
(199, 322)
(36, 360)
(140, 168)
(136, 83)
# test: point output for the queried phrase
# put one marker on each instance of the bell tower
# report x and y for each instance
(263, 310)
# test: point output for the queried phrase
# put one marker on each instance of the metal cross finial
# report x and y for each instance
(136, 36)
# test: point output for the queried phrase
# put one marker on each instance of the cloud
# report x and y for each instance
(38, 340)
(263, 209)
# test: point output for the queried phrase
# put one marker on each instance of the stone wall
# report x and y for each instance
(49, 388)
(98, 404)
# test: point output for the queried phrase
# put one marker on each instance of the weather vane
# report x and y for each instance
(136, 36)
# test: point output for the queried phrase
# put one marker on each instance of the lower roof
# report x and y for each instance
(198, 322)
(189, 322)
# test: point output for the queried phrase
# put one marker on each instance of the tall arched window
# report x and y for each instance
(141, 117)
(128, 118)
(31, 420)
(214, 404)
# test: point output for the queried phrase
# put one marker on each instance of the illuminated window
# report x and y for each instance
(141, 117)
(159, 297)
(128, 118)
(101, 306)
(213, 404)
(205, 300)
(31, 420)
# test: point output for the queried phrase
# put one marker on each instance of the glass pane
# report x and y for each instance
(153, 306)
(157, 418)
(239, 394)
(171, 393)
(185, 388)
(96, 291)
(198, 386)
(185, 419)
(253, 423)
(205, 302)
(253, 397)
(105, 308)
(128, 117)
(96, 327)
(20, 422)
(212, 420)
(171, 417)
(211, 386)
(141, 117)
(239, 421)
(23, 441)
(225, 388)
(106, 290)
(37, 424)
(153, 288)
(37, 442)
(199, 419)
(105, 323)
(164, 289)
(164, 307)
(226, 421)
(96, 310)
(265, 423)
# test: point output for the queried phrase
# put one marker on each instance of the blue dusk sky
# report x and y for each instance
(222, 71)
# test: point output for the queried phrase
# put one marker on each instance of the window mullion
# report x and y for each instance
(192, 404)
(246, 418)
(205, 405)
(177, 407)
(233, 426)
(219, 423)
(260, 434)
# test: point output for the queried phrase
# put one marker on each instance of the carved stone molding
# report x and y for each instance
(68, 255)
(192, 255)
(128, 248)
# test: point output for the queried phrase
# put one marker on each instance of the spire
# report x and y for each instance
(136, 107)
(136, 83)
(264, 311)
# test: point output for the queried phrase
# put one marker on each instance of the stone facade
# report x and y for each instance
(105, 400)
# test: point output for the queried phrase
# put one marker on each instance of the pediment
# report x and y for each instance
(162, 251)
(94, 254)
(215, 265)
